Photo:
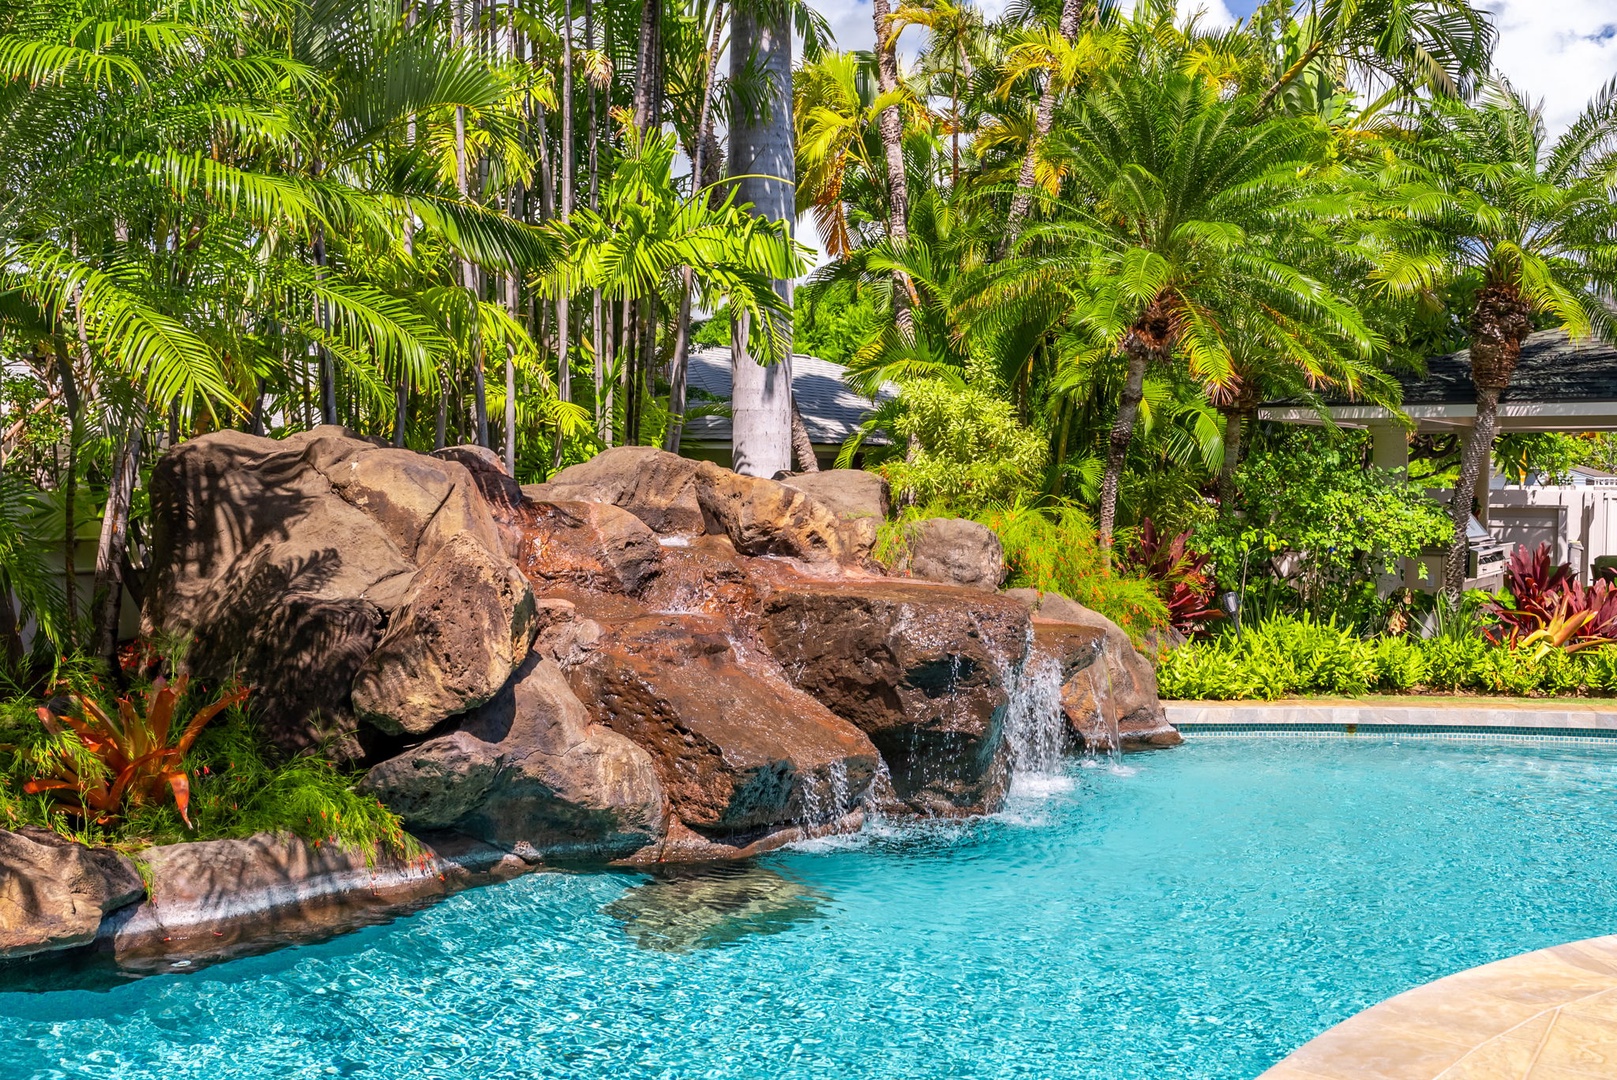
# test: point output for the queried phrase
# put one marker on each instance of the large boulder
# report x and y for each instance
(54, 892)
(528, 772)
(465, 626)
(591, 546)
(764, 517)
(286, 562)
(738, 750)
(860, 500)
(953, 551)
(655, 486)
(925, 670)
(1111, 705)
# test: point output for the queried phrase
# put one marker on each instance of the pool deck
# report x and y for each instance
(1546, 1015)
(1586, 717)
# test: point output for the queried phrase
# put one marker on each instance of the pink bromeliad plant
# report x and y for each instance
(1551, 609)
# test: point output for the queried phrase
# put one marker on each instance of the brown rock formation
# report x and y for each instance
(859, 499)
(954, 551)
(655, 486)
(285, 559)
(763, 517)
(529, 772)
(465, 626)
(924, 670)
(1120, 694)
(738, 751)
(54, 893)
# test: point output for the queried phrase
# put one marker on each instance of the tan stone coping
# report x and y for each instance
(1545, 714)
(1546, 1015)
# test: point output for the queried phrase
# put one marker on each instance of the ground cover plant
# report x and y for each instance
(165, 762)
(1545, 635)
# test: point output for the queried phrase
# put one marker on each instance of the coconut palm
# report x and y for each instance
(1485, 204)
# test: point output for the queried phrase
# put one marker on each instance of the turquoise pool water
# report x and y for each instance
(1198, 914)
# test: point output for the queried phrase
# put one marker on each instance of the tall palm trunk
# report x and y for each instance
(328, 371)
(1022, 201)
(761, 154)
(564, 373)
(70, 483)
(468, 272)
(890, 125)
(112, 549)
(598, 304)
(802, 445)
(1146, 341)
(1500, 322)
(647, 56)
(679, 364)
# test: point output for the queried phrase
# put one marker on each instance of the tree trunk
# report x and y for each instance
(1128, 410)
(1233, 420)
(679, 363)
(761, 153)
(70, 484)
(1500, 322)
(328, 370)
(647, 55)
(564, 373)
(1473, 455)
(802, 445)
(1022, 201)
(512, 299)
(891, 127)
(113, 546)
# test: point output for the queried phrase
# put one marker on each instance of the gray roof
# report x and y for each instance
(831, 411)
(1553, 369)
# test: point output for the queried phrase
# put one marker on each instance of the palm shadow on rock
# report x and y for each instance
(709, 907)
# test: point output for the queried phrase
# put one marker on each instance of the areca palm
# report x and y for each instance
(1522, 226)
(1186, 192)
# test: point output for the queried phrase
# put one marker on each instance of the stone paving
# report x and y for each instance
(1546, 1015)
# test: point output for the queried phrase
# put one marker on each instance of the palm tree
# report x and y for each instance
(762, 160)
(1185, 193)
(1522, 228)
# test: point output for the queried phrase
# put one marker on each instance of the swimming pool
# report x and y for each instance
(1199, 914)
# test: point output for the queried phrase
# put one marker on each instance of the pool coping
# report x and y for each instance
(1581, 720)
(1544, 1015)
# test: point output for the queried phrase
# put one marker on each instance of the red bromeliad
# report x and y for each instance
(1181, 576)
(139, 763)
(1552, 609)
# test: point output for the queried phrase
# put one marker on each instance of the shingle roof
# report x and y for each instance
(1553, 369)
(831, 411)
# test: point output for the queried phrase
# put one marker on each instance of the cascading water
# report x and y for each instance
(1035, 727)
(826, 798)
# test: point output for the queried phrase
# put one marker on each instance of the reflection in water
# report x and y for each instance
(707, 907)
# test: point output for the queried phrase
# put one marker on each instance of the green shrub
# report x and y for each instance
(1599, 669)
(1400, 664)
(236, 791)
(1053, 549)
(969, 450)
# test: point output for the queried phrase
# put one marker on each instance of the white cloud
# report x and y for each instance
(1561, 51)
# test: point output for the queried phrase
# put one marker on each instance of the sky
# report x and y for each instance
(1558, 51)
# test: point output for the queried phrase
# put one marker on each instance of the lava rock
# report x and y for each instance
(763, 517)
(466, 625)
(953, 551)
(585, 545)
(860, 500)
(655, 486)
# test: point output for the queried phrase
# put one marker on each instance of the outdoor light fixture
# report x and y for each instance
(1231, 603)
